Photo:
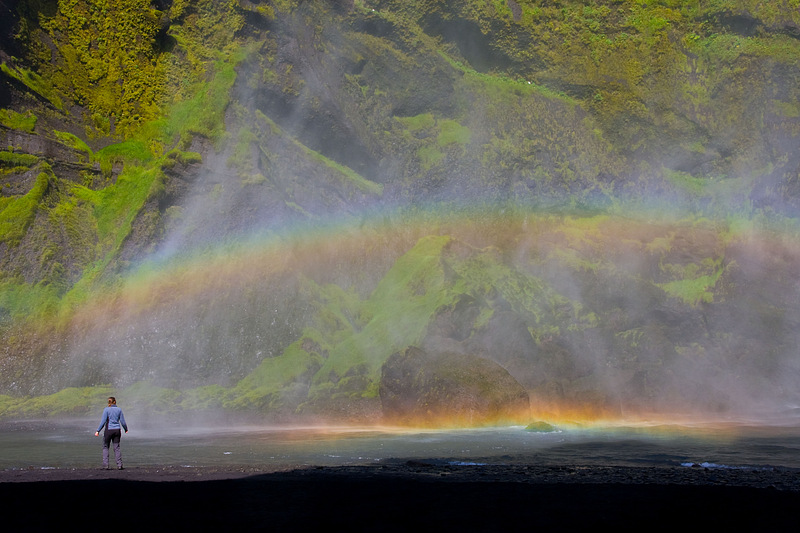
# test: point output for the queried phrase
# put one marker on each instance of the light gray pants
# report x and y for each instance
(112, 436)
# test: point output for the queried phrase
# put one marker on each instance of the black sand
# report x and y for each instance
(401, 497)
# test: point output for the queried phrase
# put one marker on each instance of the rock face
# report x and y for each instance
(323, 136)
(434, 388)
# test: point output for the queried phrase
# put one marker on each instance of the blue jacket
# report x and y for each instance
(112, 415)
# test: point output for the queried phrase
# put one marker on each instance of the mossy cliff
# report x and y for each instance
(161, 131)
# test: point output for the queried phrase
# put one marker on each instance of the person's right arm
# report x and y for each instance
(103, 422)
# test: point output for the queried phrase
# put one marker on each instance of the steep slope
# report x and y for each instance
(688, 103)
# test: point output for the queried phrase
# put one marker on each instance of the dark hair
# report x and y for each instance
(112, 400)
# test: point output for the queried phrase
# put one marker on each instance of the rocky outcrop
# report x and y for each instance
(431, 388)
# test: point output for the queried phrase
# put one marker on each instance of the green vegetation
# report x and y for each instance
(692, 288)
(399, 310)
(18, 121)
(72, 401)
(348, 174)
(107, 58)
(131, 152)
(14, 160)
(453, 133)
(117, 206)
(540, 427)
(34, 82)
(72, 141)
(553, 111)
(265, 388)
(420, 122)
(203, 114)
(17, 216)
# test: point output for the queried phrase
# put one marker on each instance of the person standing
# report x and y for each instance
(114, 422)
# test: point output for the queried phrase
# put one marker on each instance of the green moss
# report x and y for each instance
(259, 179)
(451, 132)
(14, 160)
(692, 291)
(695, 283)
(263, 389)
(73, 141)
(72, 401)
(399, 311)
(346, 174)
(28, 300)
(18, 121)
(420, 122)
(107, 58)
(130, 151)
(429, 156)
(34, 82)
(145, 395)
(540, 427)
(10, 406)
(203, 398)
(338, 314)
(115, 208)
(127, 152)
(687, 182)
(18, 215)
(788, 109)
(429, 279)
(182, 156)
(203, 113)
(241, 155)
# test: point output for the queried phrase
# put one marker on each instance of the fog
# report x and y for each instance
(601, 295)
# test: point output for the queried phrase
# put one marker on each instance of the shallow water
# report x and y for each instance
(72, 444)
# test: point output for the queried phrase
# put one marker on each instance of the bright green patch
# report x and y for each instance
(130, 151)
(451, 132)
(126, 152)
(14, 159)
(420, 122)
(25, 300)
(264, 387)
(18, 215)
(692, 291)
(692, 288)
(18, 121)
(203, 114)
(540, 427)
(399, 311)
(72, 141)
(72, 401)
(35, 83)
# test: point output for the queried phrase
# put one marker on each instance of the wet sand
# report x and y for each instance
(399, 496)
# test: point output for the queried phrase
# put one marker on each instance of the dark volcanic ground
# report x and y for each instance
(396, 497)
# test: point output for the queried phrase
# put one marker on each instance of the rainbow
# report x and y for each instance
(209, 285)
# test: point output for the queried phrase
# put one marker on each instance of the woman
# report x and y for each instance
(114, 421)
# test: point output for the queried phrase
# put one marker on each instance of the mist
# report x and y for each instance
(386, 183)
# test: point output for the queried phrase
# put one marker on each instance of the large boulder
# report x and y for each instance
(447, 388)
